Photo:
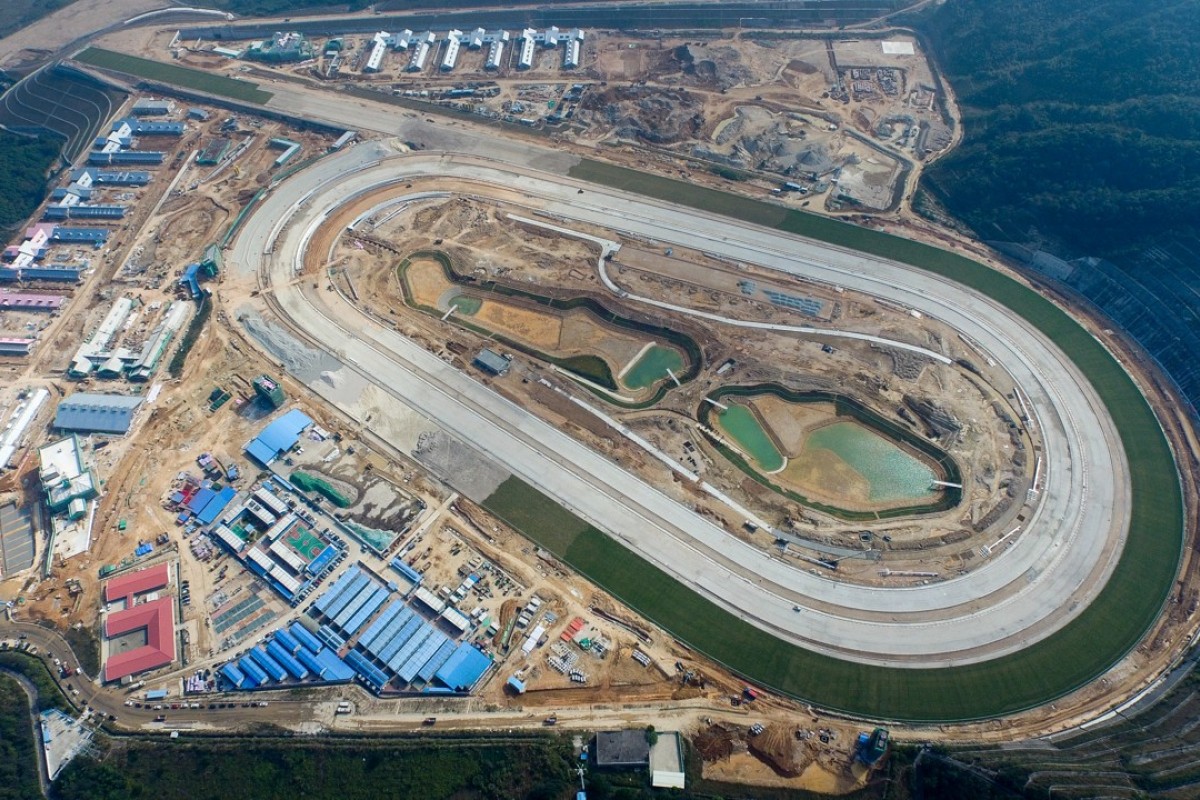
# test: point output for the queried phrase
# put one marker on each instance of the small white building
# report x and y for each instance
(453, 45)
(378, 50)
(421, 46)
(571, 54)
(495, 55)
(528, 41)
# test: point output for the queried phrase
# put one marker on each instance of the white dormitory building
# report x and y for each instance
(453, 45)
(495, 40)
(549, 38)
(420, 54)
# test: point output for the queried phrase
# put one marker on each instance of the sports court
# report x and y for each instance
(301, 540)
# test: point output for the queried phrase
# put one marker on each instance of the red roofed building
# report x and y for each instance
(158, 618)
(129, 586)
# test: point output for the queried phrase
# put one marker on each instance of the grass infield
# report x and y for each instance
(175, 75)
(1077, 654)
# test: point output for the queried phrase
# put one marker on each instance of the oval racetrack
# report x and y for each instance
(1035, 594)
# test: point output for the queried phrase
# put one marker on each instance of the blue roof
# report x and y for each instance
(322, 560)
(191, 279)
(254, 673)
(359, 663)
(333, 667)
(517, 684)
(217, 504)
(269, 665)
(233, 674)
(305, 637)
(278, 437)
(314, 663)
(200, 499)
(464, 668)
(286, 641)
(405, 570)
(439, 658)
(278, 652)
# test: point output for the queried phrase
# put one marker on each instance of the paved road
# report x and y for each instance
(1033, 588)
(106, 701)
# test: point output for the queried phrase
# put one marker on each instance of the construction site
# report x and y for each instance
(232, 476)
(161, 486)
(935, 427)
(839, 124)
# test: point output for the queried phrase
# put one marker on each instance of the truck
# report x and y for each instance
(871, 748)
(343, 708)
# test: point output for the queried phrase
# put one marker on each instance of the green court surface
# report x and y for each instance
(304, 542)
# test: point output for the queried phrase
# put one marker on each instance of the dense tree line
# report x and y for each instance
(24, 167)
(18, 760)
(1081, 119)
(265, 769)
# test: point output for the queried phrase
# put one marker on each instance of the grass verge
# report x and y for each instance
(175, 75)
(190, 335)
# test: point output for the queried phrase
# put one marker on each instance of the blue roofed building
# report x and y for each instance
(215, 505)
(278, 437)
(231, 673)
(148, 127)
(463, 669)
(191, 280)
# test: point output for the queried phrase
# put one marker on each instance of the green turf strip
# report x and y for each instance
(175, 75)
(1094, 641)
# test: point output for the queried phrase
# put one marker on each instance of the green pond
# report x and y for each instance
(652, 367)
(892, 473)
(741, 424)
(465, 304)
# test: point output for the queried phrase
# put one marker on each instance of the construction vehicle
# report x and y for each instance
(870, 748)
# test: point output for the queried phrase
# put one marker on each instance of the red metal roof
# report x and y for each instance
(158, 618)
(135, 583)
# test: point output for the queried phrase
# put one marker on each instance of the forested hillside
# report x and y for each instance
(1081, 119)
(24, 163)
